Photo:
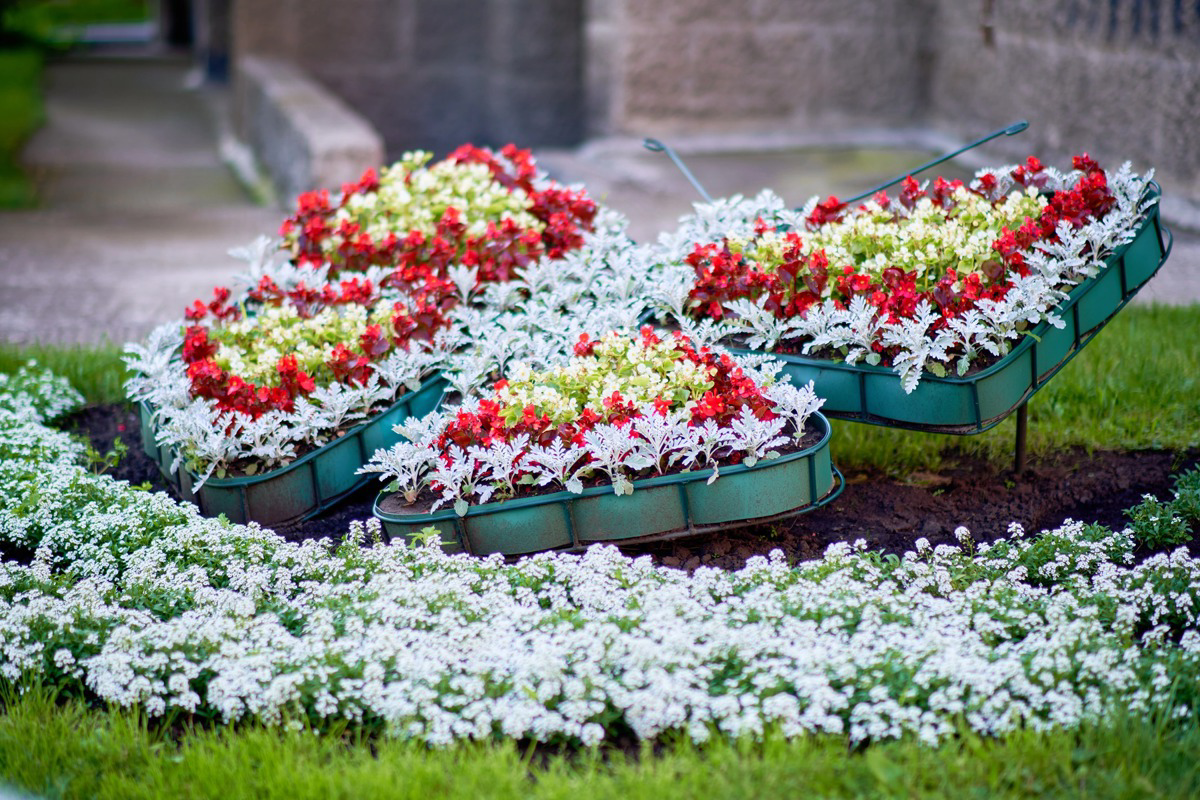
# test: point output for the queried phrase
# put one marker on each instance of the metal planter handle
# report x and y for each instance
(1011, 130)
(657, 146)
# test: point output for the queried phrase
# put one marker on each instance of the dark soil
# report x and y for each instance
(889, 513)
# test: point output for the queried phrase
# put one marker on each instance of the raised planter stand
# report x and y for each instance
(977, 402)
(306, 487)
(662, 507)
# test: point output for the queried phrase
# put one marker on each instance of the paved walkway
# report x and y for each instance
(138, 209)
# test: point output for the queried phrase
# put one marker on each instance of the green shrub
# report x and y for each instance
(1157, 525)
(1053, 557)
(1187, 497)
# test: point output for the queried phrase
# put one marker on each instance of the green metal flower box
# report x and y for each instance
(976, 402)
(304, 488)
(662, 507)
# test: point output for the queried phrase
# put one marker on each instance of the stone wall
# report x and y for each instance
(1119, 79)
(433, 74)
(687, 65)
(302, 136)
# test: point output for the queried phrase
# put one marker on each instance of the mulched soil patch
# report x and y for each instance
(889, 513)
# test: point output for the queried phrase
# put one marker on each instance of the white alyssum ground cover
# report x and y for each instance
(141, 602)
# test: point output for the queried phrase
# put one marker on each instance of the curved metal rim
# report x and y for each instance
(696, 476)
(246, 480)
(835, 491)
(1166, 243)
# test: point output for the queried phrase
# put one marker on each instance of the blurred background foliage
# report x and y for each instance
(29, 31)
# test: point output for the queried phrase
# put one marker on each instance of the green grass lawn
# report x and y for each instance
(38, 19)
(97, 372)
(71, 751)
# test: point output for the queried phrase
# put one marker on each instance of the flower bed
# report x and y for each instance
(319, 349)
(937, 281)
(244, 394)
(490, 211)
(620, 410)
(135, 600)
(986, 395)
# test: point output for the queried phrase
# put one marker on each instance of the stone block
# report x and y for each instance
(449, 31)
(684, 12)
(737, 72)
(303, 136)
(534, 36)
(1179, 145)
(265, 28)
(361, 32)
(656, 76)
(602, 66)
(534, 112)
(452, 110)
(864, 14)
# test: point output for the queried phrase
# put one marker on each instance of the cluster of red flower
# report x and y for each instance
(800, 280)
(732, 391)
(564, 213)
(233, 393)
(308, 301)
(419, 266)
(1088, 199)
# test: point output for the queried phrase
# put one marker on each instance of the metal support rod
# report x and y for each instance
(1022, 431)
(654, 145)
(1011, 130)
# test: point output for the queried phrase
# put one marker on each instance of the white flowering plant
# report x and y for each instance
(244, 393)
(137, 601)
(622, 407)
(352, 308)
(37, 392)
(939, 278)
(492, 211)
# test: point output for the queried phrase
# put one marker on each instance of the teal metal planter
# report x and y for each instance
(306, 487)
(662, 507)
(979, 401)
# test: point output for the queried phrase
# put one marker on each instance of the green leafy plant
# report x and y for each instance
(20, 116)
(429, 535)
(1187, 496)
(1156, 524)
(106, 462)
